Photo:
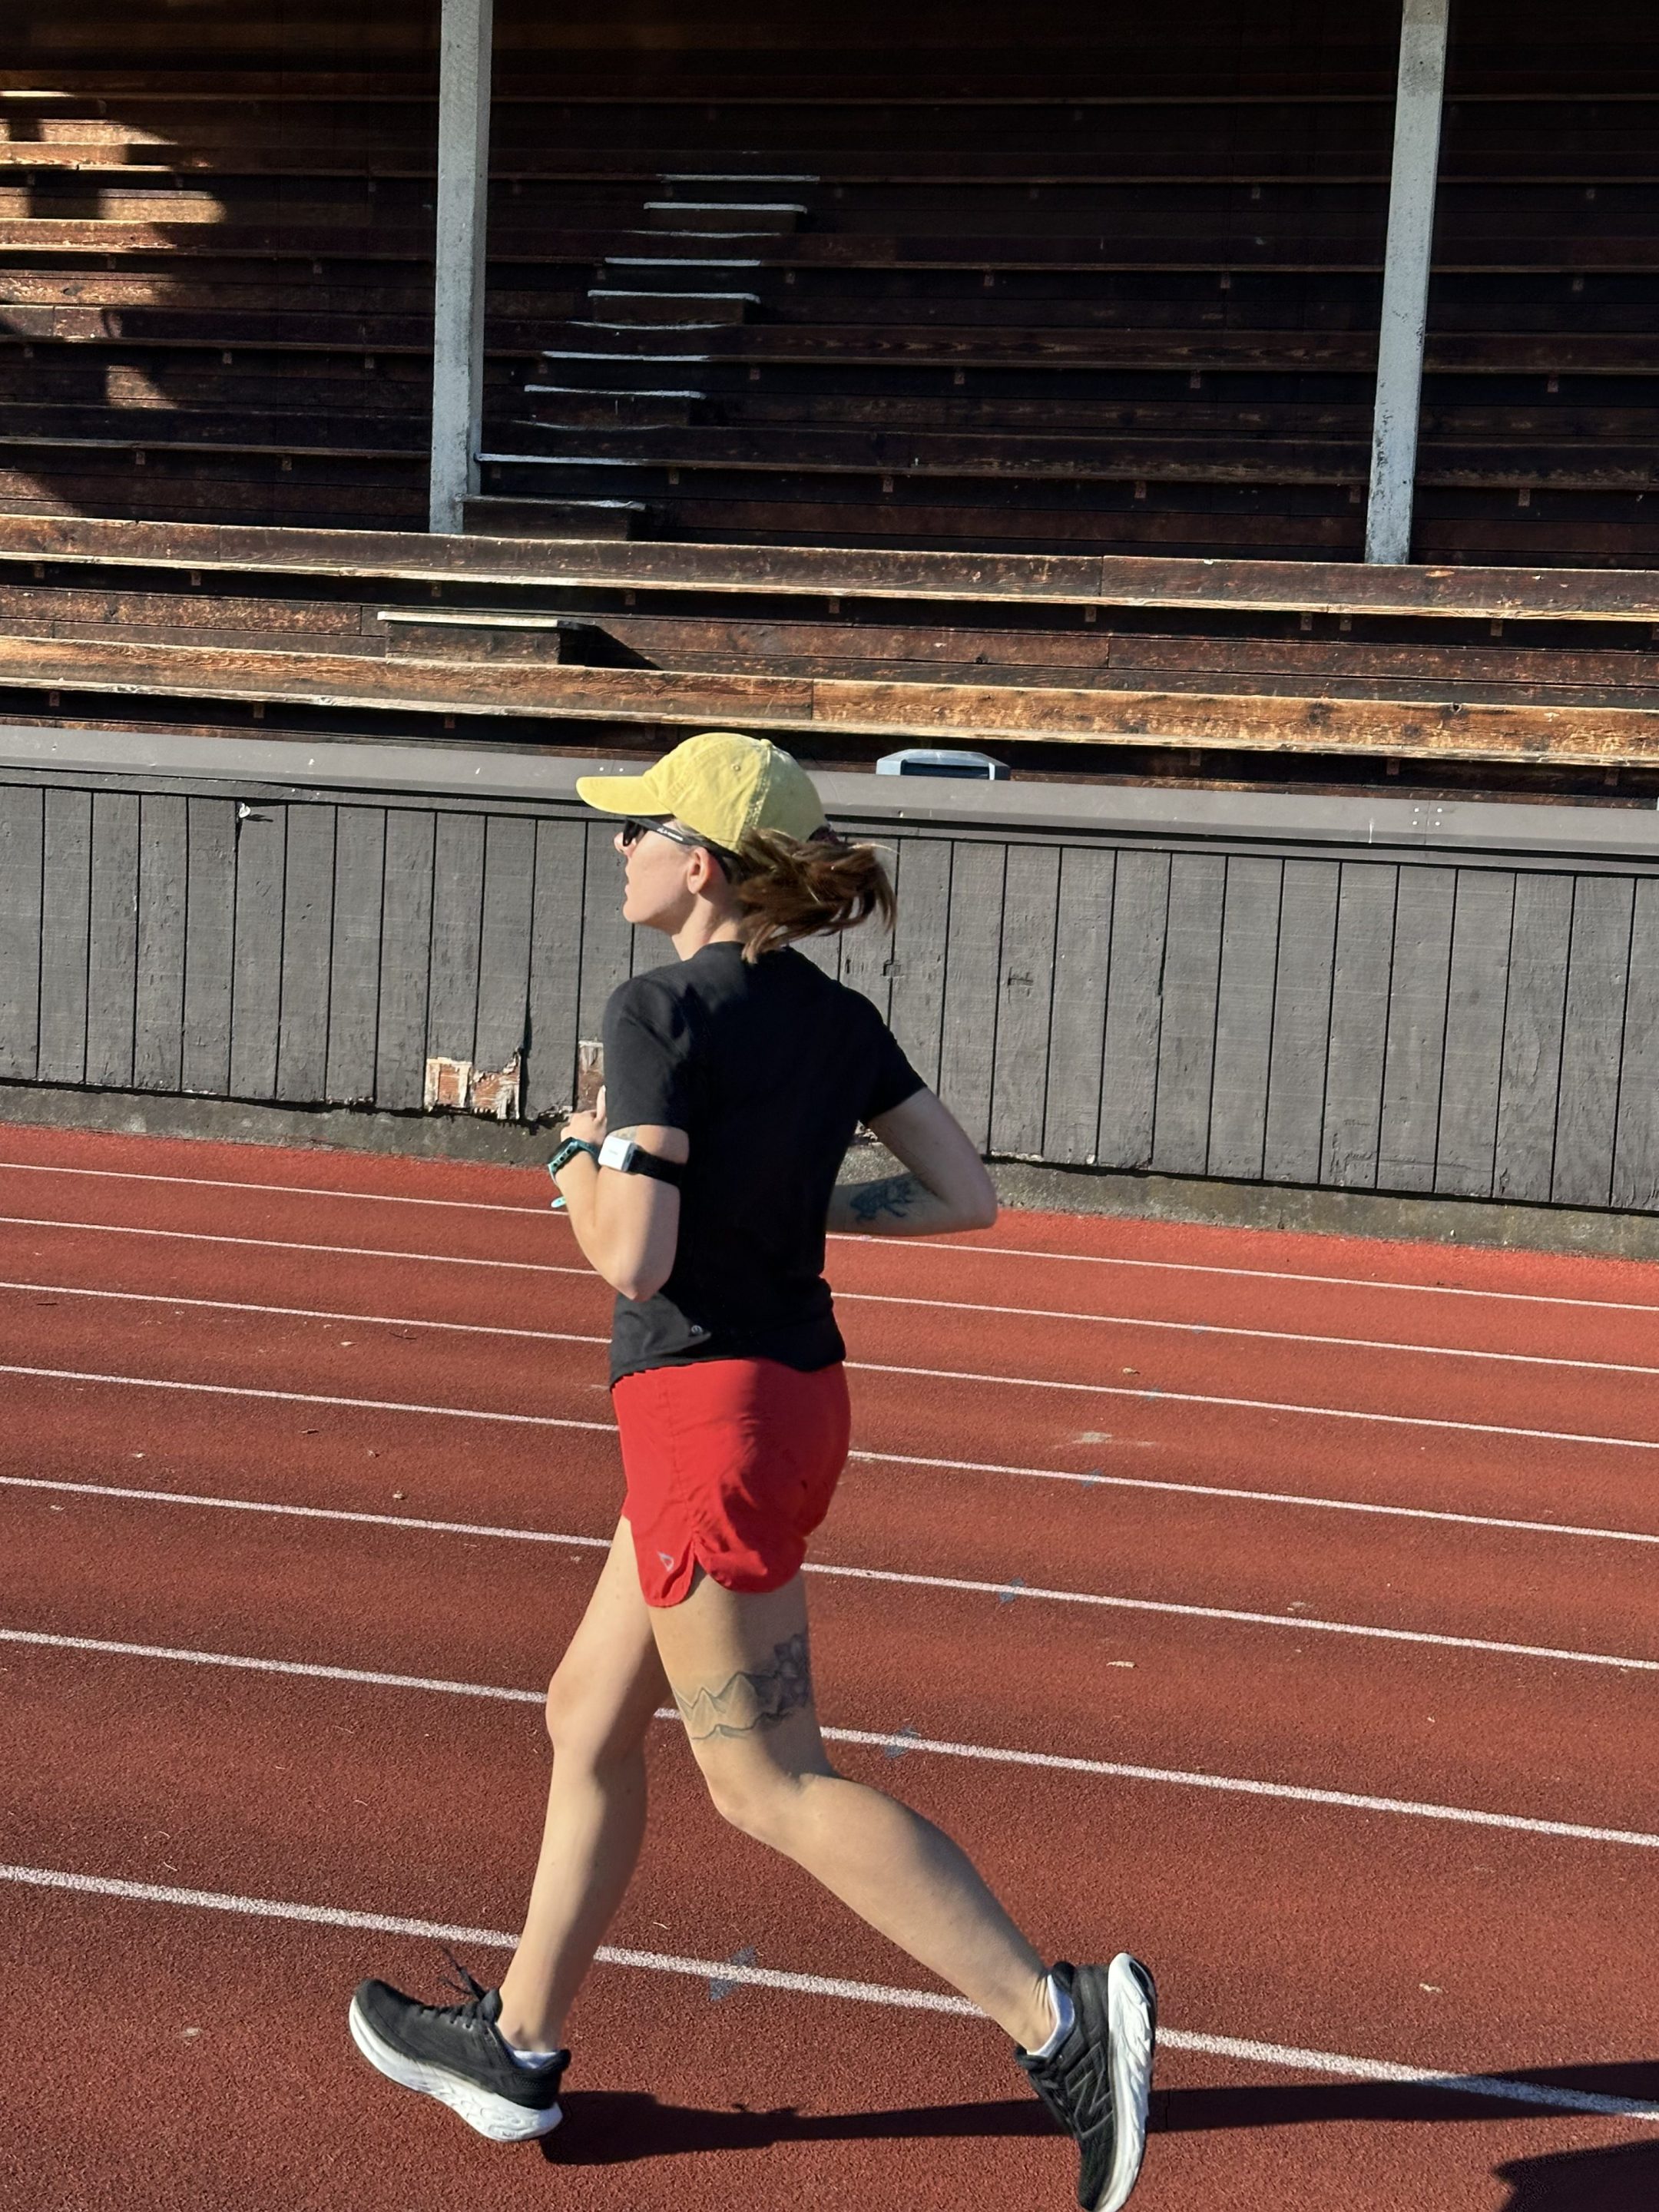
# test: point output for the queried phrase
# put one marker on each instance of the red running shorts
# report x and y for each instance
(731, 1466)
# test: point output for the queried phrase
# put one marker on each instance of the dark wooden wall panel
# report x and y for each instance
(65, 928)
(210, 941)
(1077, 1022)
(1476, 998)
(1530, 1084)
(1360, 1024)
(973, 965)
(1025, 990)
(1636, 1153)
(354, 975)
(1300, 1051)
(1244, 1017)
(307, 954)
(158, 1046)
(1134, 1009)
(112, 951)
(1480, 1030)
(22, 837)
(1191, 977)
(1592, 1037)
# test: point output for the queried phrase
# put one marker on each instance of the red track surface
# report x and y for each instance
(162, 2054)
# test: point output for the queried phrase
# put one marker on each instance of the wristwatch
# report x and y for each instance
(628, 1158)
(568, 1151)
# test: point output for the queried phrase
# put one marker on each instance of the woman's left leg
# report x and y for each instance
(739, 1669)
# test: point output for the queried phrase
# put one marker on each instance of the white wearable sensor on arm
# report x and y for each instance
(627, 1157)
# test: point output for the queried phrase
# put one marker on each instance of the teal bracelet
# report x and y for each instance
(563, 1157)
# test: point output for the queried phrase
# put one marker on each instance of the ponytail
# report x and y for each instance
(787, 888)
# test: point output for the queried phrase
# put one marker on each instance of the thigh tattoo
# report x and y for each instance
(751, 1701)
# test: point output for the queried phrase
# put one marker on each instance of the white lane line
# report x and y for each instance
(935, 1247)
(1501, 2086)
(875, 1367)
(854, 1298)
(284, 1190)
(987, 1467)
(991, 1754)
(949, 1248)
(307, 1313)
(1002, 1591)
(282, 1245)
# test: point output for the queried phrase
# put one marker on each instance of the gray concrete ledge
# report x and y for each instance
(291, 767)
(1021, 1185)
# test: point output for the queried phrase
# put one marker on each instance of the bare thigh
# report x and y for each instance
(740, 1666)
(609, 1683)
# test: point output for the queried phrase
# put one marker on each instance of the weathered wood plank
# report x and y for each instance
(1636, 1150)
(400, 1046)
(556, 946)
(509, 884)
(606, 940)
(1412, 1064)
(112, 951)
(1076, 1027)
(1134, 1009)
(1477, 993)
(1244, 1017)
(1529, 1086)
(210, 939)
(866, 952)
(22, 838)
(457, 935)
(917, 956)
(1359, 1018)
(353, 984)
(973, 946)
(1192, 975)
(163, 886)
(307, 954)
(1026, 993)
(1299, 1059)
(257, 951)
(1592, 1038)
(65, 928)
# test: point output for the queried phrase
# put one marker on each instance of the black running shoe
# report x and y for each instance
(455, 2053)
(1097, 2083)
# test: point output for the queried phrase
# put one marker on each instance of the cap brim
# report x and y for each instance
(621, 794)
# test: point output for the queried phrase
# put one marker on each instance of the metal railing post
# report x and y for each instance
(458, 305)
(1405, 278)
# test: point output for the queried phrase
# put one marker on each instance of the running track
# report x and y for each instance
(1280, 1607)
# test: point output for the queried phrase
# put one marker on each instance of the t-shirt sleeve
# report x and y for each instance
(647, 1043)
(892, 1078)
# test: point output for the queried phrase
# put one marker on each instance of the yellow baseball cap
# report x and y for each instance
(719, 784)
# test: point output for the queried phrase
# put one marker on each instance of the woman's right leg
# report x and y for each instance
(599, 1706)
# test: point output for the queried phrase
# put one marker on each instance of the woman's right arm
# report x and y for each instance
(946, 1186)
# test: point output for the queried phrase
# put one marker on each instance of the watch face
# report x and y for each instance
(616, 1152)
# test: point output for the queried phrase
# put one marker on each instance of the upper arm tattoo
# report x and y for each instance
(897, 1196)
(748, 1702)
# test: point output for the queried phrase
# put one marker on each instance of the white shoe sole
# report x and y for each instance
(1132, 2017)
(498, 2118)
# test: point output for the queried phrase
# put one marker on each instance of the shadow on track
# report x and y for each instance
(614, 2128)
(1624, 2178)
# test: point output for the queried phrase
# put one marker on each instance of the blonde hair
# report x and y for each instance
(788, 888)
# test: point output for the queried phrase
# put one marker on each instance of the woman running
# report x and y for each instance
(735, 1079)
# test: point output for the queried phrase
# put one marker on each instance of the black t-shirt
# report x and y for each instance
(769, 1066)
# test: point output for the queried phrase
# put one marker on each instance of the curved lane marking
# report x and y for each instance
(1005, 1592)
(992, 1754)
(864, 1298)
(1502, 2086)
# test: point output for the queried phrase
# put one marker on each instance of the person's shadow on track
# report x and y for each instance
(616, 2128)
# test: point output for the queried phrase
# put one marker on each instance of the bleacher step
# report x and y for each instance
(498, 515)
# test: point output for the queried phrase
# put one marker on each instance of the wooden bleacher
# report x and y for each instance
(1097, 292)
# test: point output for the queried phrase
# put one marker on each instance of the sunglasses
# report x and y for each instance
(631, 833)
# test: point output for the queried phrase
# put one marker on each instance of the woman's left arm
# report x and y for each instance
(627, 1226)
